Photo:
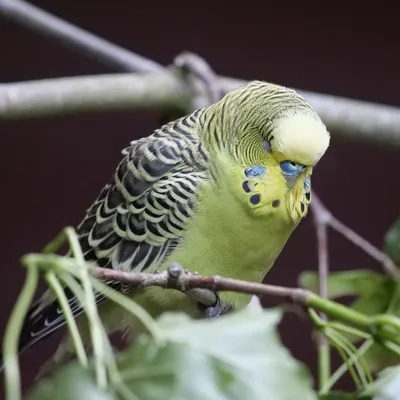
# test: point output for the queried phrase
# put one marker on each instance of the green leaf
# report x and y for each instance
(344, 283)
(69, 383)
(378, 358)
(387, 386)
(237, 356)
(392, 241)
(234, 357)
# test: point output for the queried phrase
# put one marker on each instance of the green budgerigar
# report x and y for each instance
(218, 191)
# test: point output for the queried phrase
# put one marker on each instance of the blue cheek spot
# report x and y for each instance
(307, 184)
(254, 171)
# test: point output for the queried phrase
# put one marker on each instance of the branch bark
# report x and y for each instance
(51, 97)
(186, 280)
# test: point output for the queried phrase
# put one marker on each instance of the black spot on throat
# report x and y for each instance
(255, 199)
(245, 186)
(276, 203)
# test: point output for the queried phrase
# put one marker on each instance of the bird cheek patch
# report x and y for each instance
(252, 172)
(249, 186)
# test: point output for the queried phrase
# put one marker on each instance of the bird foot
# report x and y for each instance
(217, 309)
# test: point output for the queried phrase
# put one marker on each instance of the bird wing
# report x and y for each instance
(136, 221)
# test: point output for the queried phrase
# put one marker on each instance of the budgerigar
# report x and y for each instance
(218, 191)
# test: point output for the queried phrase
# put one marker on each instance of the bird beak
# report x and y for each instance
(291, 180)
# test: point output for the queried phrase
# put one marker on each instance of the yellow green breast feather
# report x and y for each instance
(242, 221)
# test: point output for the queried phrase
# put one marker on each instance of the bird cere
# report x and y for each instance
(218, 191)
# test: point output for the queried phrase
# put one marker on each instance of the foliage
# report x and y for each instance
(200, 359)
(236, 356)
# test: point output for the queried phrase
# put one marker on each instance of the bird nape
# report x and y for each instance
(218, 191)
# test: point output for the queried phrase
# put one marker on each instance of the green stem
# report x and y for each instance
(54, 284)
(12, 376)
(347, 329)
(344, 367)
(394, 348)
(139, 312)
(354, 318)
(91, 309)
(339, 311)
(344, 354)
(55, 244)
(386, 320)
(114, 374)
(324, 356)
(324, 361)
(395, 300)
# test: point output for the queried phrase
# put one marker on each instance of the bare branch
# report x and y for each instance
(388, 265)
(186, 281)
(76, 38)
(321, 217)
(93, 93)
(327, 218)
(346, 118)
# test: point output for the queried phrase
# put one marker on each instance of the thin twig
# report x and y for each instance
(388, 265)
(76, 38)
(186, 281)
(321, 225)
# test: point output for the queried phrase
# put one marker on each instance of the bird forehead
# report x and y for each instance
(301, 138)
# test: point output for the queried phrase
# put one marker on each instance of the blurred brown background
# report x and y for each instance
(52, 169)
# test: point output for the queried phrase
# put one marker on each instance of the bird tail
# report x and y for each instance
(42, 320)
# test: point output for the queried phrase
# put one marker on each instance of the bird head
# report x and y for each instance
(271, 126)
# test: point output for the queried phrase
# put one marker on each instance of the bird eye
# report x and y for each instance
(292, 168)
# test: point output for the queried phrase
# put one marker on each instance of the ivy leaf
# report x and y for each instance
(345, 283)
(234, 357)
(392, 241)
(69, 383)
(387, 386)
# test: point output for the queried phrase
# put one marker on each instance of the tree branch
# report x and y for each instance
(51, 97)
(76, 38)
(324, 216)
(346, 118)
(177, 278)
(186, 280)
